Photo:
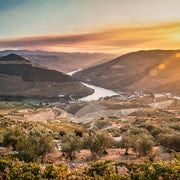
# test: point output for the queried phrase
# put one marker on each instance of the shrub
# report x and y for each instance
(100, 169)
(170, 141)
(50, 172)
(158, 170)
(13, 136)
(153, 130)
(59, 171)
(25, 172)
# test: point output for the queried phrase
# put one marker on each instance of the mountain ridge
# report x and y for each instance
(151, 70)
(62, 61)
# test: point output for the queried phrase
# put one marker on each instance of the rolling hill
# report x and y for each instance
(61, 61)
(20, 78)
(153, 70)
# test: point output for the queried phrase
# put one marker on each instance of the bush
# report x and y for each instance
(170, 141)
(100, 169)
(5, 165)
(158, 170)
(25, 172)
(50, 172)
(13, 136)
(153, 130)
(59, 171)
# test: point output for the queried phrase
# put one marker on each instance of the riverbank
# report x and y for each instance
(99, 92)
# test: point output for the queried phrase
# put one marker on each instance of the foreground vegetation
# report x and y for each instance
(61, 149)
(95, 170)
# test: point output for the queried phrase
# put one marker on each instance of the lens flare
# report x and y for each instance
(162, 66)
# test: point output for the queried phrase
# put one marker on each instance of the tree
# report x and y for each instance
(13, 136)
(139, 140)
(36, 145)
(127, 142)
(129, 138)
(97, 143)
(71, 144)
(143, 145)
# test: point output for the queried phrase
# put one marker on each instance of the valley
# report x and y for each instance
(69, 129)
(89, 90)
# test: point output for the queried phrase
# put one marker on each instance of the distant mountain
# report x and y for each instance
(19, 78)
(153, 70)
(61, 61)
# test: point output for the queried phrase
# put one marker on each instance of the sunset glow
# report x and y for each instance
(92, 26)
(177, 55)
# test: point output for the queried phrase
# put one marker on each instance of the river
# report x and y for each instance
(99, 92)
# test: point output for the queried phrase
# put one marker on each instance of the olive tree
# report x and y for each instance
(127, 142)
(35, 146)
(139, 140)
(13, 136)
(143, 145)
(97, 143)
(71, 144)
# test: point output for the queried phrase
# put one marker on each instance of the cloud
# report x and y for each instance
(115, 38)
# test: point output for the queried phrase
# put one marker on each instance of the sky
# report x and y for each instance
(111, 26)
